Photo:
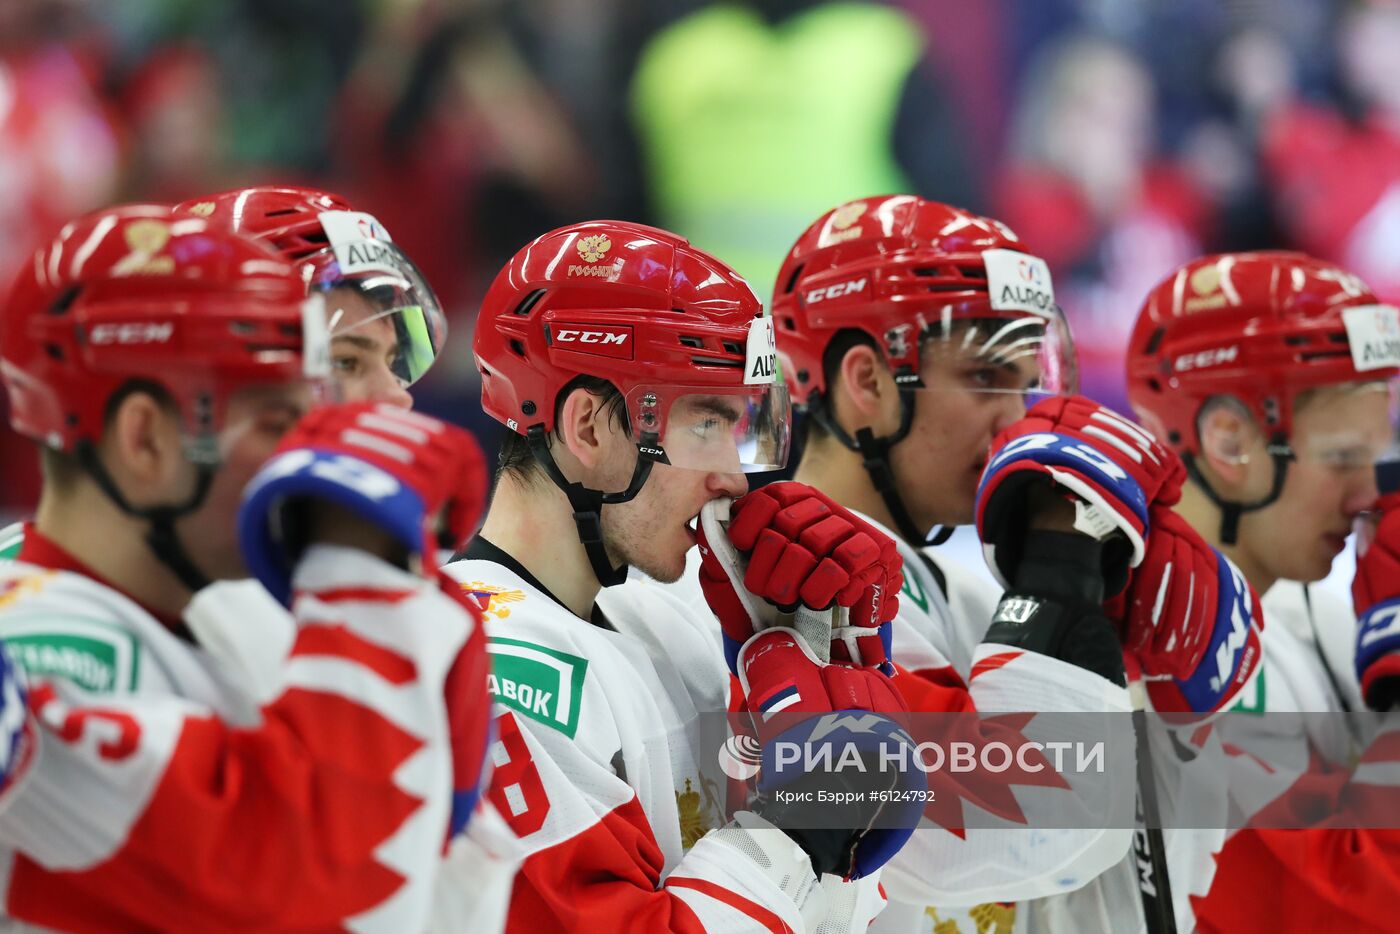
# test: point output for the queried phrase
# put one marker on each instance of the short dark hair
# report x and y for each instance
(516, 458)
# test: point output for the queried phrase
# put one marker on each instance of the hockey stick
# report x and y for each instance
(1149, 845)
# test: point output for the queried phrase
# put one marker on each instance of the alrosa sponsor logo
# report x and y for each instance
(138, 332)
(838, 290)
(1206, 358)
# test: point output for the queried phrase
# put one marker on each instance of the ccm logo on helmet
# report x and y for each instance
(609, 342)
(144, 332)
(1206, 358)
(569, 336)
(838, 290)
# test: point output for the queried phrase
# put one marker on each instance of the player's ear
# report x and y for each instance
(582, 426)
(866, 395)
(1234, 454)
(141, 448)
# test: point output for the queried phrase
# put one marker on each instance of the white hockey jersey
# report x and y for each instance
(945, 610)
(254, 771)
(622, 824)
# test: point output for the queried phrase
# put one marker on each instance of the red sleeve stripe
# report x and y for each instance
(992, 663)
(337, 641)
(358, 595)
(770, 921)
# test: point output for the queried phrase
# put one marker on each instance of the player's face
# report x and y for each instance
(256, 420)
(1338, 435)
(939, 463)
(363, 350)
(654, 531)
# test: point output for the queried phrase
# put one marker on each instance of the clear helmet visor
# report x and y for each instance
(386, 324)
(972, 347)
(729, 429)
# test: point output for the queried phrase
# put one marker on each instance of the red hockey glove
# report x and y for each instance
(801, 707)
(420, 479)
(790, 555)
(1191, 619)
(1114, 469)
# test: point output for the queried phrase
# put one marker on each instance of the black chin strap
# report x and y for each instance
(588, 503)
(1279, 452)
(875, 456)
(161, 536)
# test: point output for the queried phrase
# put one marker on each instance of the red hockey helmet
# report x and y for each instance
(904, 271)
(679, 333)
(1260, 327)
(136, 292)
(345, 255)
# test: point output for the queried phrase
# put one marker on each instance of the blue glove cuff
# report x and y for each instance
(361, 487)
(1377, 634)
(1212, 679)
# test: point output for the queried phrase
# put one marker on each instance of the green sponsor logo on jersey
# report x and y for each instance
(1256, 703)
(914, 589)
(541, 683)
(93, 656)
(11, 538)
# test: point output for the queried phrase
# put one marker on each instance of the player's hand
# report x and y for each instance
(1191, 619)
(419, 481)
(789, 555)
(1375, 593)
(799, 706)
(1112, 469)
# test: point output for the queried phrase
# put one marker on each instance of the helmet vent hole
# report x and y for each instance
(1297, 340)
(1339, 338)
(1155, 341)
(54, 351)
(1154, 385)
(792, 279)
(688, 341)
(789, 324)
(65, 300)
(528, 303)
(733, 347)
(711, 361)
(517, 347)
(973, 272)
(241, 327)
(281, 212)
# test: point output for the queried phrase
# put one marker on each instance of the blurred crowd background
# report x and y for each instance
(1117, 137)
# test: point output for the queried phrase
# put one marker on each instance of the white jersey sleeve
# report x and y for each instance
(621, 827)
(149, 807)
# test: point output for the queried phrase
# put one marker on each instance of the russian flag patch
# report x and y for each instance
(781, 698)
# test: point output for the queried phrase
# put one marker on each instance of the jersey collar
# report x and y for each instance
(479, 549)
(41, 551)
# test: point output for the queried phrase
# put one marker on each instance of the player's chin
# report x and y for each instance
(664, 559)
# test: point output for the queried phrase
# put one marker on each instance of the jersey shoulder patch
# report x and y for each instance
(544, 684)
(98, 657)
(11, 538)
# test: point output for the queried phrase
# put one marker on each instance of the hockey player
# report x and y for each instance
(914, 334)
(1272, 374)
(387, 326)
(178, 778)
(637, 379)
